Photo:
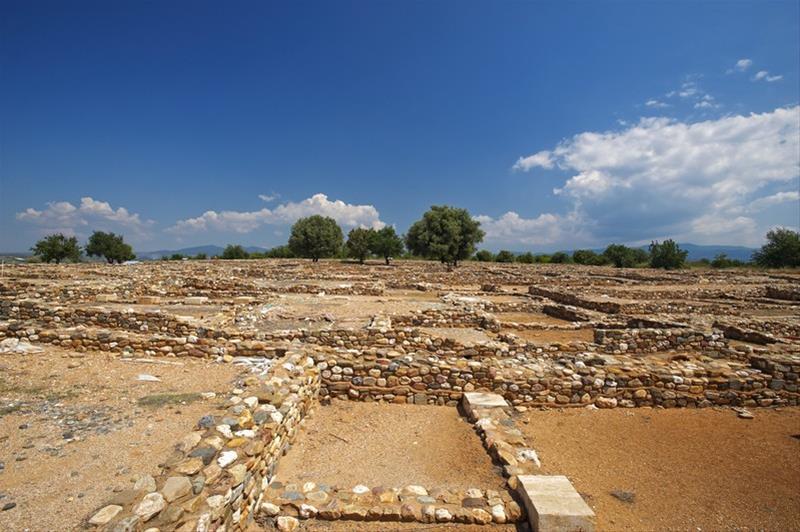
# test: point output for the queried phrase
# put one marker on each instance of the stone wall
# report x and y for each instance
(578, 381)
(608, 307)
(620, 341)
(216, 477)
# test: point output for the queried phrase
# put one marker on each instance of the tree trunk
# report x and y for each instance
(387, 260)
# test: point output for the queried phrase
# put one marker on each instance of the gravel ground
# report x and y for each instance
(71, 428)
(348, 443)
(687, 469)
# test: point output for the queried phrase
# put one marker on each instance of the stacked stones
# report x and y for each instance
(620, 341)
(217, 475)
(410, 503)
(449, 318)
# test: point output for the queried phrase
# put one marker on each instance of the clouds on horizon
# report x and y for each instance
(64, 217)
(699, 181)
(287, 213)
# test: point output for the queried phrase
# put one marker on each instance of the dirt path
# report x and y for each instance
(347, 443)
(687, 469)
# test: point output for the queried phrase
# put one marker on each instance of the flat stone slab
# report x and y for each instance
(473, 401)
(553, 505)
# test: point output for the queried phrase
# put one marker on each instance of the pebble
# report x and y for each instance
(8, 506)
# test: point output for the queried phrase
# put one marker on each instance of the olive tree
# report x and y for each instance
(110, 246)
(315, 237)
(386, 243)
(667, 255)
(444, 233)
(358, 242)
(57, 247)
(781, 250)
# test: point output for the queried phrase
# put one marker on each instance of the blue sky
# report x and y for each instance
(557, 124)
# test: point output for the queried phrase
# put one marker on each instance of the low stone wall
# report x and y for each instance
(448, 318)
(785, 293)
(216, 478)
(580, 381)
(621, 341)
(285, 503)
(608, 307)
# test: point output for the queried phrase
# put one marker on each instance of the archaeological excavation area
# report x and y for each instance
(290, 395)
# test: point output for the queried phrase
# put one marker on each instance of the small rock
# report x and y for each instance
(105, 515)
(624, 496)
(8, 506)
(287, 524)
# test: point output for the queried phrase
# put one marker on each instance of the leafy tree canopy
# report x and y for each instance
(504, 256)
(110, 246)
(315, 237)
(358, 243)
(667, 255)
(386, 243)
(234, 252)
(781, 250)
(444, 233)
(625, 257)
(57, 247)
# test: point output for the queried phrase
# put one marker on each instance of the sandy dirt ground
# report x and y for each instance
(687, 469)
(75, 429)
(347, 526)
(347, 443)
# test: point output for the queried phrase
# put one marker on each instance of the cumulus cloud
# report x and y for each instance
(546, 229)
(763, 75)
(287, 213)
(665, 177)
(63, 216)
(541, 159)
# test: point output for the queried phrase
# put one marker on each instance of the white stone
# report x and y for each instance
(151, 504)
(287, 524)
(360, 489)
(443, 516)
(226, 458)
(105, 515)
(269, 509)
(552, 504)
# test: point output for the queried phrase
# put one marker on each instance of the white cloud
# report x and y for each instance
(776, 199)
(743, 64)
(666, 177)
(63, 216)
(287, 213)
(656, 103)
(512, 229)
(541, 159)
(268, 197)
(764, 75)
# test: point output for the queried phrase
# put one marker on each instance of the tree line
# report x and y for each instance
(446, 234)
(58, 247)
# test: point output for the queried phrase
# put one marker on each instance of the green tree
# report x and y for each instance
(315, 237)
(559, 257)
(781, 250)
(279, 252)
(526, 258)
(484, 255)
(358, 242)
(723, 261)
(110, 246)
(176, 256)
(624, 257)
(504, 256)
(667, 255)
(543, 258)
(57, 247)
(200, 256)
(447, 234)
(386, 243)
(234, 252)
(588, 257)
